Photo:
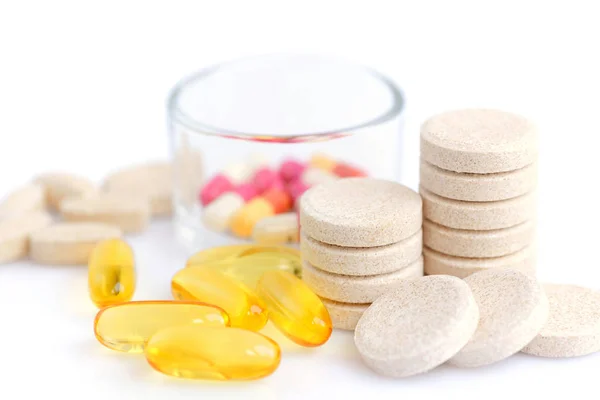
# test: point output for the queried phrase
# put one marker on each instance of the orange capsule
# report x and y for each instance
(243, 221)
(279, 199)
(347, 171)
(294, 308)
(323, 162)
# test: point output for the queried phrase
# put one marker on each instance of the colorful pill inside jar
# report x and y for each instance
(264, 179)
(214, 188)
(111, 273)
(128, 326)
(323, 162)
(244, 220)
(278, 229)
(291, 170)
(209, 285)
(196, 352)
(295, 309)
(279, 199)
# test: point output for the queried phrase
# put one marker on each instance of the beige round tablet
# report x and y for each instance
(360, 212)
(474, 244)
(131, 214)
(151, 181)
(15, 232)
(478, 187)
(512, 310)
(573, 326)
(60, 186)
(441, 264)
(344, 316)
(362, 261)
(478, 215)
(417, 326)
(69, 243)
(356, 289)
(27, 198)
(479, 141)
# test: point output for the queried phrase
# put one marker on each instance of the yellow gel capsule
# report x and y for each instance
(212, 353)
(295, 309)
(217, 254)
(111, 273)
(128, 326)
(209, 285)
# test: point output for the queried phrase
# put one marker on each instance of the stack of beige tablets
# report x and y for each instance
(359, 238)
(59, 217)
(478, 179)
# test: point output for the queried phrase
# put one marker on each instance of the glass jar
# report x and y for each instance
(249, 136)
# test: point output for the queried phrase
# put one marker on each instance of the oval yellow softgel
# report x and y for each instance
(111, 273)
(212, 353)
(217, 254)
(128, 326)
(209, 285)
(295, 309)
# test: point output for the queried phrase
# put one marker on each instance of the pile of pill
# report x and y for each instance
(478, 179)
(359, 238)
(254, 200)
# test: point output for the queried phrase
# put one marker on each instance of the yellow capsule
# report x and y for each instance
(295, 309)
(128, 326)
(111, 273)
(212, 353)
(217, 254)
(211, 286)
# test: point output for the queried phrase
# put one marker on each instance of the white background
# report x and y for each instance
(83, 88)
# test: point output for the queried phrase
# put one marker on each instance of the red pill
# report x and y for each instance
(291, 170)
(347, 171)
(296, 189)
(264, 178)
(279, 199)
(215, 188)
(247, 191)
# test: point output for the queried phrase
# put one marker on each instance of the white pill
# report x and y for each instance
(478, 244)
(131, 214)
(362, 261)
(344, 316)
(360, 212)
(61, 185)
(27, 198)
(277, 229)
(573, 326)
(239, 172)
(513, 308)
(152, 182)
(441, 264)
(417, 326)
(69, 243)
(312, 176)
(217, 215)
(356, 289)
(15, 232)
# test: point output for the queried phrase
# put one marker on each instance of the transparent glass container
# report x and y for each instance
(240, 118)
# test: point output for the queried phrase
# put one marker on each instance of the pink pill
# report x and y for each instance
(264, 178)
(247, 191)
(278, 184)
(291, 170)
(296, 189)
(214, 188)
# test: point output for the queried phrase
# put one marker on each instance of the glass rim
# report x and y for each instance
(176, 114)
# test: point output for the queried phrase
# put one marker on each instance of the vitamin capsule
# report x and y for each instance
(270, 249)
(197, 352)
(291, 170)
(347, 171)
(322, 162)
(127, 327)
(218, 214)
(264, 179)
(296, 189)
(217, 254)
(238, 172)
(214, 188)
(278, 229)
(279, 199)
(247, 191)
(295, 309)
(246, 217)
(313, 176)
(111, 273)
(208, 285)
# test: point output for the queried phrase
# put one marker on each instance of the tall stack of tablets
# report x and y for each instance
(477, 180)
(359, 238)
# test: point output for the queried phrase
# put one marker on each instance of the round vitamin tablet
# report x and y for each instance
(441, 264)
(360, 212)
(512, 310)
(573, 326)
(480, 216)
(484, 244)
(478, 141)
(344, 316)
(60, 185)
(25, 199)
(356, 289)
(418, 325)
(362, 261)
(478, 187)
(15, 232)
(69, 242)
